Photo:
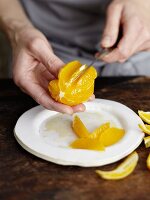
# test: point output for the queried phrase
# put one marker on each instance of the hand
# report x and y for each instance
(34, 65)
(134, 18)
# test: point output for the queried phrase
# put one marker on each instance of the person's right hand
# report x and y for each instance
(34, 65)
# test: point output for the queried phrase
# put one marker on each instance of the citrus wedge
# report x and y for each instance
(100, 137)
(67, 73)
(97, 132)
(148, 161)
(147, 141)
(145, 116)
(111, 136)
(123, 170)
(145, 128)
(79, 128)
(87, 143)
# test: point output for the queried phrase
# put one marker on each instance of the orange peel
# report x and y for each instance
(145, 116)
(123, 170)
(145, 128)
(147, 141)
(148, 161)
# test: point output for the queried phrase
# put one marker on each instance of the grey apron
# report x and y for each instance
(74, 29)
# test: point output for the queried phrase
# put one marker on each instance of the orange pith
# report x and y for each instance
(75, 84)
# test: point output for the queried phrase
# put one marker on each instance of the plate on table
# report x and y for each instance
(48, 134)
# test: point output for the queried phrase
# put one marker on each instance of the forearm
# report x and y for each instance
(12, 17)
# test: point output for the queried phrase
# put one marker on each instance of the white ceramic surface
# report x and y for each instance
(48, 134)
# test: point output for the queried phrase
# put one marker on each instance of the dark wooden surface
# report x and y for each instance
(24, 176)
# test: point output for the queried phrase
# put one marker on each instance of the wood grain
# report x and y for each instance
(24, 176)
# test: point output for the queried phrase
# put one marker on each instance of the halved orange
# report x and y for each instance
(75, 84)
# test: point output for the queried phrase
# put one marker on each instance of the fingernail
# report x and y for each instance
(82, 108)
(106, 41)
(97, 55)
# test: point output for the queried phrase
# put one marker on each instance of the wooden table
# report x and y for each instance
(24, 176)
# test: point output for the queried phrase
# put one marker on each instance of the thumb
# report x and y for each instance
(112, 25)
(43, 53)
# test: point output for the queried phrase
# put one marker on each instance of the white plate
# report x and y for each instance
(36, 132)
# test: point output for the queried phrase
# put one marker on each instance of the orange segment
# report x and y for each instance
(75, 84)
(97, 132)
(78, 73)
(79, 128)
(81, 89)
(67, 72)
(87, 143)
(111, 136)
(100, 137)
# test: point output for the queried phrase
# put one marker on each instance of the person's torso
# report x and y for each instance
(70, 22)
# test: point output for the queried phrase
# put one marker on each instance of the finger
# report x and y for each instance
(43, 98)
(43, 75)
(44, 54)
(127, 45)
(42, 71)
(79, 108)
(111, 29)
(143, 42)
(92, 98)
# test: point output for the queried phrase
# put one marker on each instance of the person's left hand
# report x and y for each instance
(134, 18)
(35, 65)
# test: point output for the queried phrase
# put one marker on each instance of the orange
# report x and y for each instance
(75, 84)
(87, 143)
(79, 128)
(111, 136)
(101, 137)
(98, 131)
